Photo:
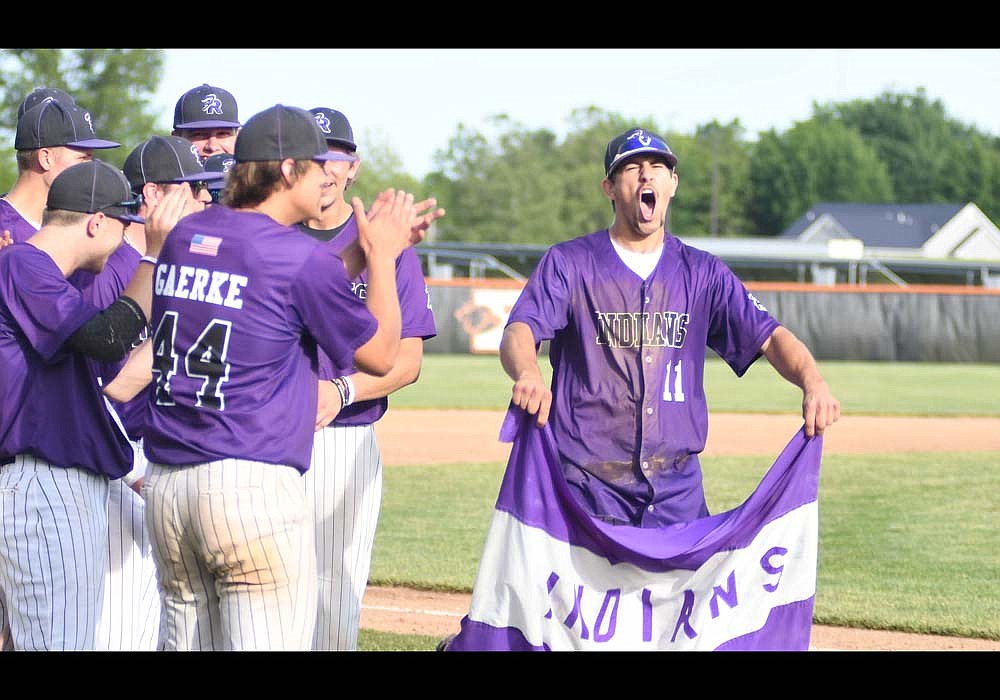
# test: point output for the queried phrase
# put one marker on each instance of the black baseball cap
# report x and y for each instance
(281, 132)
(165, 159)
(94, 186)
(50, 123)
(206, 107)
(633, 141)
(220, 163)
(44, 94)
(335, 127)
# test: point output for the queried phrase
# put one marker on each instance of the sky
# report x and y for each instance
(414, 99)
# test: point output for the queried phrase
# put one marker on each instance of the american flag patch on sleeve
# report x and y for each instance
(205, 245)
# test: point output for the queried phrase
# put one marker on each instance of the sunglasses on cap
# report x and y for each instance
(128, 207)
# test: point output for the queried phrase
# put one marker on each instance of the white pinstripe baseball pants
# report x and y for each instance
(344, 487)
(130, 615)
(53, 545)
(233, 545)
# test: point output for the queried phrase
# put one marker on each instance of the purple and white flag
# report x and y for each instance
(554, 578)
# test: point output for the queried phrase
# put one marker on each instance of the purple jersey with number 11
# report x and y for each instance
(239, 305)
(629, 414)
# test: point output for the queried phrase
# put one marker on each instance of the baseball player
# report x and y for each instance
(59, 442)
(130, 615)
(209, 118)
(50, 137)
(241, 301)
(219, 163)
(344, 480)
(629, 311)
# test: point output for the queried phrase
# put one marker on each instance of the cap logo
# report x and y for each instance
(90, 123)
(641, 136)
(228, 164)
(324, 122)
(194, 151)
(211, 104)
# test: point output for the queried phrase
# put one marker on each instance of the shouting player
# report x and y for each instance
(629, 311)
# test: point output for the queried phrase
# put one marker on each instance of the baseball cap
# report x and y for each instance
(44, 94)
(165, 159)
(94, 186)
(206, 107)
(220, 163)
(281, 132)
(51, 123)
(633, 141)
(335, 127)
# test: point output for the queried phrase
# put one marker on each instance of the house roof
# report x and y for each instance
(882, 225)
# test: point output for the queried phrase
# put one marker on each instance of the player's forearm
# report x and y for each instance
(404, 372)
(518, 355)
(792, 359)
(378, 355)
(135, 374)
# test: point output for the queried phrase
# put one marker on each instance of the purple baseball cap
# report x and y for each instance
(51, 123)
(281, 132)
(206, 107)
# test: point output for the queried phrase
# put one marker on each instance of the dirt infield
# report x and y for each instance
(446, 437)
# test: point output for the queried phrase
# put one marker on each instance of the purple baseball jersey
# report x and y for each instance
(240, 303)
(50, 403)
(414, 305)
(11, 220)
(101, 290)
(628, 404)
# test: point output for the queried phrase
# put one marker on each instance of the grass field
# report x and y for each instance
(908, 541)
(872, 388)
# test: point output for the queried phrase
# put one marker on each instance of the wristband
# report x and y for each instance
(148, 258)
(341, 391)
(349, 389)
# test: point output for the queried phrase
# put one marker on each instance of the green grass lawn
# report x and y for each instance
(871, 388)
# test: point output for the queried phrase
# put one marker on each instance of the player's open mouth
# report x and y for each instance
(647, 204)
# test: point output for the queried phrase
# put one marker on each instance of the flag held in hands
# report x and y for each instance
(552, 577)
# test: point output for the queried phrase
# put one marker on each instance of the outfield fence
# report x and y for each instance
(934, 323)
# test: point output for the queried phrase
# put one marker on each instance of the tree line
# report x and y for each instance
(519, 185)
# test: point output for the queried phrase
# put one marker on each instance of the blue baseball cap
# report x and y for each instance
(632, 142)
